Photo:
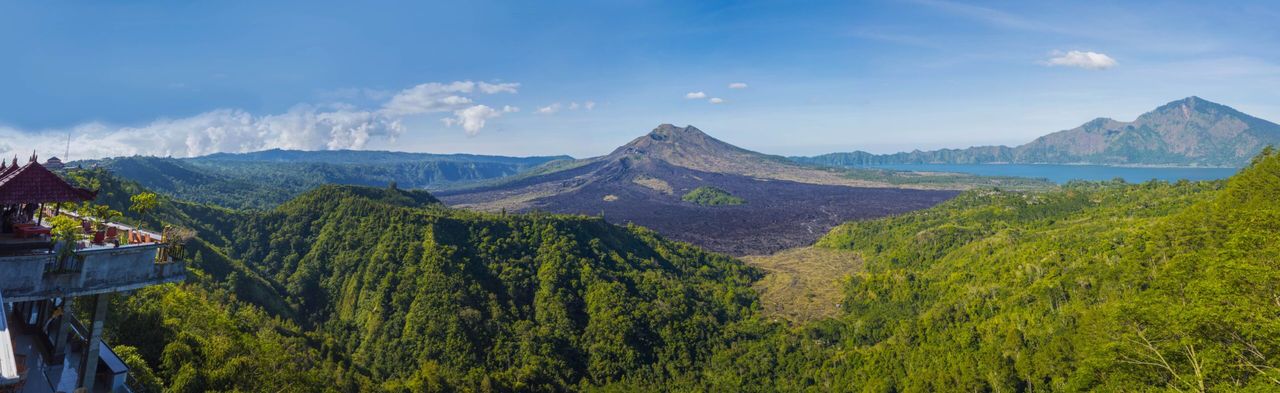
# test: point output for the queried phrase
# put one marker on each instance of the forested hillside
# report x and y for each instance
(202, 335)
(1090, 287)
(534, 302)
(354, 288)
(1094, 287)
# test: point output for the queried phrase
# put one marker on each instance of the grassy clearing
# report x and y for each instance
(804, 283)
(654, 183)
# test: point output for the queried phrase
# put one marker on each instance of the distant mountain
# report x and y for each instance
(1189, 132)
(368, 157)
(778, 204)
(267, 178)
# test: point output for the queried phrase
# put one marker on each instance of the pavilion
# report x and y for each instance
(24, 191)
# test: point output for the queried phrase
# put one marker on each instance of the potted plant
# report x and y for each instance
(65, 233)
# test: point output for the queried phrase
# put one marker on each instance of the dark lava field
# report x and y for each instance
(777, 214)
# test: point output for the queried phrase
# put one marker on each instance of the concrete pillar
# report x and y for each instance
(62, 331)
(89, 367)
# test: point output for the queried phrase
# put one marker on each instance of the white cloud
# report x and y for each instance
(473, 118)
(492, 88)
(303, 127)
(737, 85)
(549, 109)
(224, 130)
(573, 106)
(716, 100)
(697, 95)
(440, 97)
(1078, 59)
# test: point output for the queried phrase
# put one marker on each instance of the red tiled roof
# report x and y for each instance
(35, 184)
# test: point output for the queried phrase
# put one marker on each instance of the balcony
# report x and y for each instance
(86, 272)
(41, 273)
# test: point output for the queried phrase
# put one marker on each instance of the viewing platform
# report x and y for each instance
(49, 257)
(33, 270)
(90, 271)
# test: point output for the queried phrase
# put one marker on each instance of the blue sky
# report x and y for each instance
(524, 78)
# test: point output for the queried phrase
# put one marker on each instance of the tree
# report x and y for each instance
(143, 203)
(142, 378)
(64, 228)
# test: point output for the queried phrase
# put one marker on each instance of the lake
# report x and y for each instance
(1065, 173)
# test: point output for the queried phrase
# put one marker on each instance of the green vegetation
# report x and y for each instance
(803, 284)
(357, 289)
(1090, 287)
(419, 295)
(943, 180)
(1093, 287)
(142, 203)
(711, 196)
(200, 335)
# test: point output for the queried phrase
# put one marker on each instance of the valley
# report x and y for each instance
(776, 214)
(640, 196)
(782, 204)
(391, 289)
(1035, 287)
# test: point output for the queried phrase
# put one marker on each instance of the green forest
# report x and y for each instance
(1086, 287)
(712, 196)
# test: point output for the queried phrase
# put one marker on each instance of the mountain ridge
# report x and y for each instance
(367, 156)
(266, 178)
(1187, 132)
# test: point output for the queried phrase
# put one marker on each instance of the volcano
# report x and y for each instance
(780, 204)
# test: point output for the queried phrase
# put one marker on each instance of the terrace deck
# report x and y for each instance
(13, 245)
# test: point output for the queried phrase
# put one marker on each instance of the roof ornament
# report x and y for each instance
(33, 156)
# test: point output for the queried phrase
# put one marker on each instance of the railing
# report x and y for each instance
(87, 272)
(90, 267)
(128, 232)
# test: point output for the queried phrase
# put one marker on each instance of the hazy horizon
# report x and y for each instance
(581, 79)
(817, 150)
